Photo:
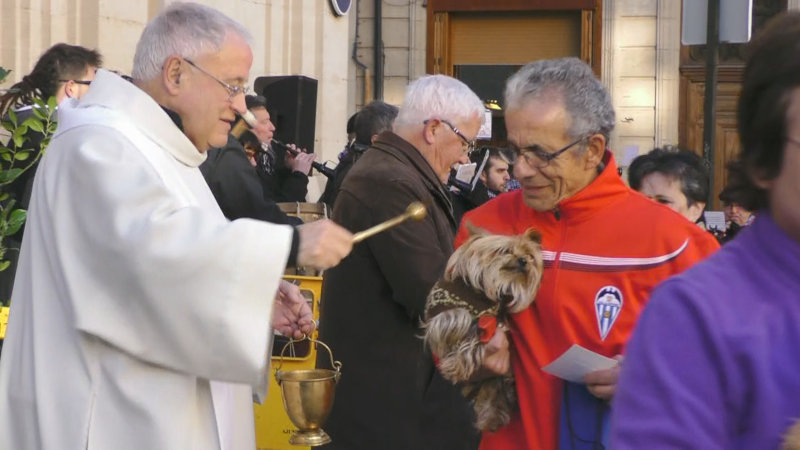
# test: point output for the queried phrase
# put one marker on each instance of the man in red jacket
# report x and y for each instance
(605, 248)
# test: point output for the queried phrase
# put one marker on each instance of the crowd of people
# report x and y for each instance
(149, 281)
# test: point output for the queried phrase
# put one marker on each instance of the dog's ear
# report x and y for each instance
(473, 230)
(534, 235)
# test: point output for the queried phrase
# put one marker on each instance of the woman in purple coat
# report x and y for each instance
(713, 362)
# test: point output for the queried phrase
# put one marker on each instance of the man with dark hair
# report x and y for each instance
(713, 362)
(495, 174)
(237, 187)
(283, 175)
(64, 71)
(605, 246)
(673, 177)
(371, 121)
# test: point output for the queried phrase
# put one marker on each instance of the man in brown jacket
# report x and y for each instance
(390, 396)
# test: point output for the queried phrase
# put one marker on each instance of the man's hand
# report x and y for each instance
(496, 357)
(292, 314)
(603, 383)
(323, 244)
(300, 162)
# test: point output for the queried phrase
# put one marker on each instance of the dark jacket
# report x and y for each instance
(390, 396)
(342, 169)
(279, 181)
(464, 201)
(237, 188)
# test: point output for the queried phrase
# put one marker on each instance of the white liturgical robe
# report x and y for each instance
(133, 292)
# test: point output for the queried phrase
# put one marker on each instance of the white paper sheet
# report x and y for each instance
(715, 220)
(486, 128)
(576, 362)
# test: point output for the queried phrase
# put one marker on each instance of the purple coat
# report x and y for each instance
(715, 358)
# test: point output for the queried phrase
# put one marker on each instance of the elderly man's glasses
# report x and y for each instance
(233, 91)
(470, 144)
(83, 82)
(538, 158)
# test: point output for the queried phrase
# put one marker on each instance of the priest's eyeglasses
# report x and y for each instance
(537, 157)
(233, 91)
(470, 144)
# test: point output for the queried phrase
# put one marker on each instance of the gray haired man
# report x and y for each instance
(605, 248)
(392, 397)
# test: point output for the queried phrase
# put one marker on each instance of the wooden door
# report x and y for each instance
(483, 42)
(692, 94)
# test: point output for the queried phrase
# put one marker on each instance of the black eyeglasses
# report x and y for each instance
(233, 91)
(538, 158)
(83, 82)
(470, 144)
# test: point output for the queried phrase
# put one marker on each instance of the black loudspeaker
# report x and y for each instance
(292, 106)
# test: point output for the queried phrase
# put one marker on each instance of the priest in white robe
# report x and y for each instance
(141, 318)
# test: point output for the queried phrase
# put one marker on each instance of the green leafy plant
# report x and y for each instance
(18, 154)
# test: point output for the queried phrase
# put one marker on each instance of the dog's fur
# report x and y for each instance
(506, 270)
(791, 439)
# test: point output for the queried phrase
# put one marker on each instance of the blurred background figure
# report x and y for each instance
(733, 199)
(283, 175)
(673, 177)
(63, 71)
(368, 123)
(231, 175)
(495, 174)
(492, 180)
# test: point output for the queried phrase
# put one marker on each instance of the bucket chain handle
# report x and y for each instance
(337, 365)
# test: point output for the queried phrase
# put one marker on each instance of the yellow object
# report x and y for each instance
(3, 321)
(273, 427)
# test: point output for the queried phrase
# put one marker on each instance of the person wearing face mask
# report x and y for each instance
(605, 248)
(142, 317)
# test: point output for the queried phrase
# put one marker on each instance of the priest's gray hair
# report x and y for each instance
(438, 96)
(182, 29)
(586, 100)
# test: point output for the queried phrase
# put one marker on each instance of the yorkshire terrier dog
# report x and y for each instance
(487, 278)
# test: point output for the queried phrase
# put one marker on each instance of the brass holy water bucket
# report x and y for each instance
(308, 398)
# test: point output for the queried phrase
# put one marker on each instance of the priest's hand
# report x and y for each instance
(292, 314)
(323, 244)
(603, 383)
